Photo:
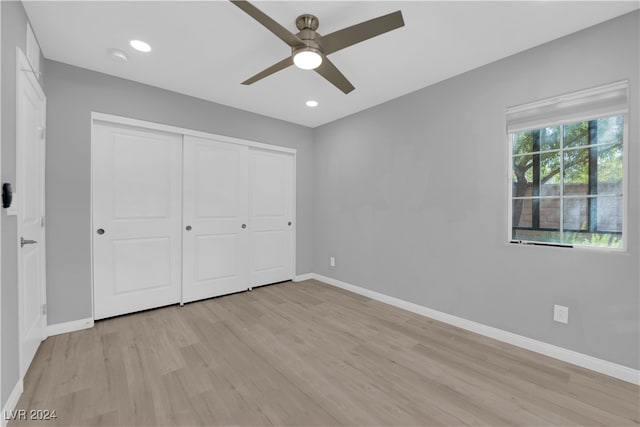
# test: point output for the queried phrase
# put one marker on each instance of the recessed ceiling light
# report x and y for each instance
(312, 103)
(118, 55)
(140, 45)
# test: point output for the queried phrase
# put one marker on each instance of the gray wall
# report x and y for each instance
(411, 198)
(14, 32)
(72, 94)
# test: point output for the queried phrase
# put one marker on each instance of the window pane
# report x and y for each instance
(522, 176)
(610, 214)
(576, 211)
(610, 130)
(606, 227)
(610, 169)
(550, 174)
(576, 172)
(586, 238)
(545, 236)
(548, 216)
(549, 139)
(576, 134)
(521, 213)
(522, 142)
(550, 213)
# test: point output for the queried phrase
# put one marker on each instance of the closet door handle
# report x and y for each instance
(188, 228)
(289, 223)
(24, 241)
(244, 226)
(100, 231)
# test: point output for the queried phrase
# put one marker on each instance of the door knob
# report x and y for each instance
(289, 223)
(24, 241)
(244, 225)
(100, 231)
(188, 228)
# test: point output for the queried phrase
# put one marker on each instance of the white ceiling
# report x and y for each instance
(206, 48)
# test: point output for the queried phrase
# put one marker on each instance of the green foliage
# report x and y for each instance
(576, 134)
(576, 158)
(606, 240)
(610, 164)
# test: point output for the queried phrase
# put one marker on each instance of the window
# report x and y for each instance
(567, 169)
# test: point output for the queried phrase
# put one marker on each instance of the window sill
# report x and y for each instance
(593, 249)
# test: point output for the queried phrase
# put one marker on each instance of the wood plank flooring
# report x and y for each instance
(302, 354)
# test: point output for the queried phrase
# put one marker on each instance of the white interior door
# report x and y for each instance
(137, 185)
(214, 218)
(270, 217)
(29, 189)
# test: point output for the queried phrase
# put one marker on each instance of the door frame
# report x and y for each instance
(1, 397)
(26, 75)
(120, 120)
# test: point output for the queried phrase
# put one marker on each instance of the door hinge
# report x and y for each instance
(43, 132)
(44, 309)
(42, 222)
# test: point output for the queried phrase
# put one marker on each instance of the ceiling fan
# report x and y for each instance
(309, 49)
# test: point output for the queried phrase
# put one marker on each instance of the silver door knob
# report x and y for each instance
(24, 241)
(244, 225)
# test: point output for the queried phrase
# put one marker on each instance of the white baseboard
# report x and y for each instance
(303, 277)
(11, 403)
(74, 325)
(615, 370)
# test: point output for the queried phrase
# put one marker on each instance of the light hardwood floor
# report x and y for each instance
(308, 354)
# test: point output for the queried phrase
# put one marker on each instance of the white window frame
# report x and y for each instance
(517, 121)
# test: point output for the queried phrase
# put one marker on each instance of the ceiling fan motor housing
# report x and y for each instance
(307, 24)
(307, 21)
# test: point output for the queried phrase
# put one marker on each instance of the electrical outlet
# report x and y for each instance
(332, 261)
(560, 313)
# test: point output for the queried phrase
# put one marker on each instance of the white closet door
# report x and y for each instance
(270, 217)
(215, 222)
(137, 180)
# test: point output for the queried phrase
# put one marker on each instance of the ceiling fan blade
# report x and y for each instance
(335, 77)
(356, 33)
(281, 32)
(267, 72)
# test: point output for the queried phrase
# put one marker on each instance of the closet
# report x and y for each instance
(178, 218)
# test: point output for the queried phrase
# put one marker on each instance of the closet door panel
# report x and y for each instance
(214, 213)
(137, 188)
(270, 216)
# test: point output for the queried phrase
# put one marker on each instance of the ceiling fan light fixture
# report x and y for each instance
(307, 58)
